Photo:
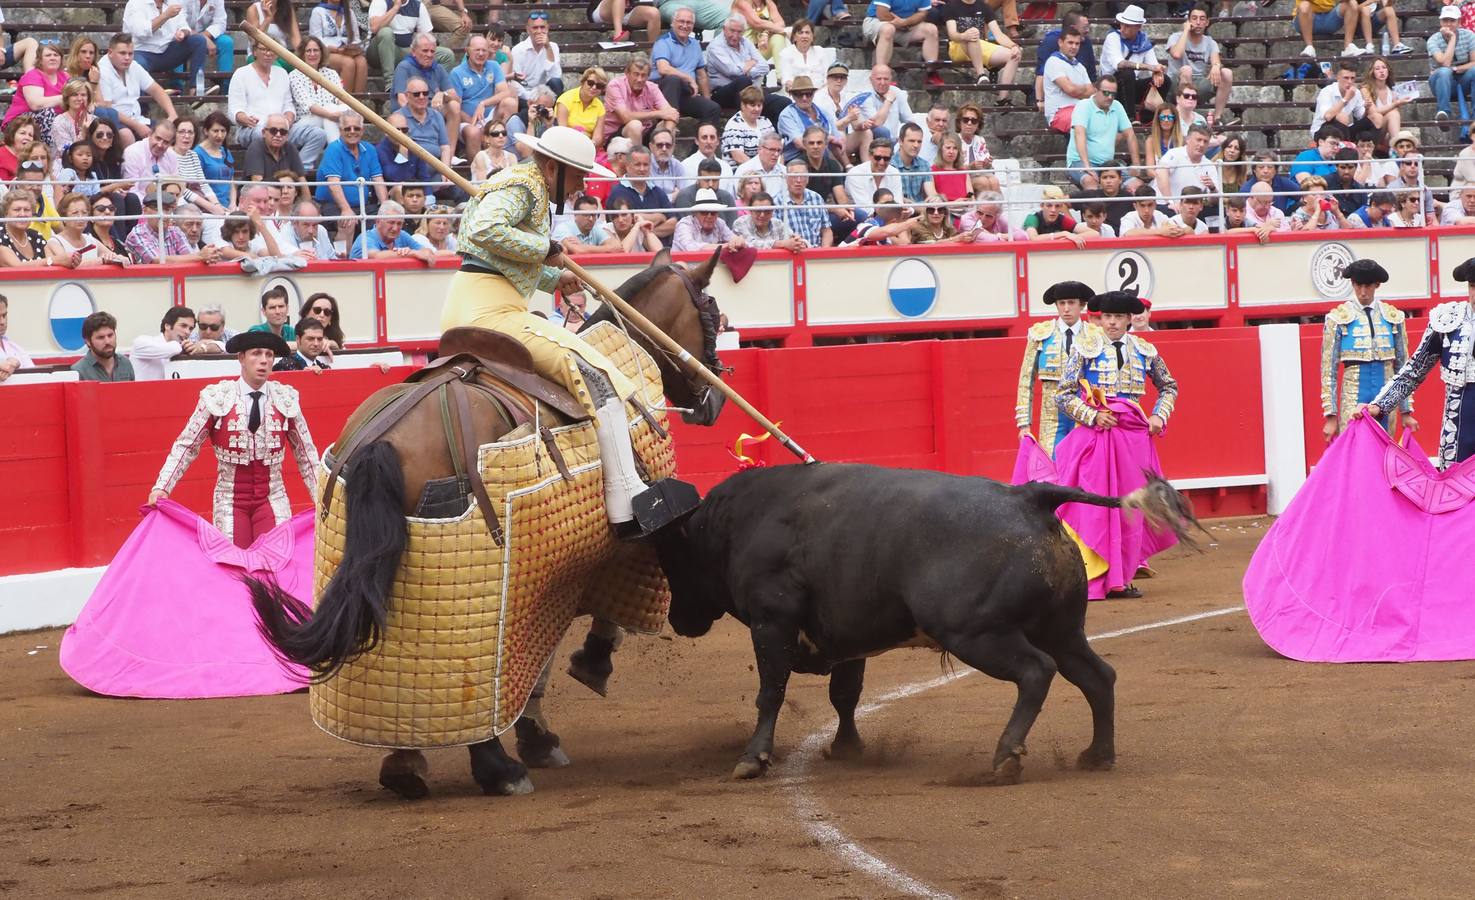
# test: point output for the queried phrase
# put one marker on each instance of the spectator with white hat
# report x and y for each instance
(1450, 61)
(1128, 52)
(704, 231)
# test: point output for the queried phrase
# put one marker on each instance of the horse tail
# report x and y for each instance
(1158, 502)
(350, 615)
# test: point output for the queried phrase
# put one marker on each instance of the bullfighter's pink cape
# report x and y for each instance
(1110, 462)
(171, 619)
(1371, 560)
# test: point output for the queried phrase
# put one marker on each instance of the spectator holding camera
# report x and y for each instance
(1318, 212)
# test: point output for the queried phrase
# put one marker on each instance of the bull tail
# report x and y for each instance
(350, 615)
(1160, 504)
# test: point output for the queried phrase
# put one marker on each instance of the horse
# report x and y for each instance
(399, 472)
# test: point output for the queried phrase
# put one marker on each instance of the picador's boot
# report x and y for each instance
(636, 511)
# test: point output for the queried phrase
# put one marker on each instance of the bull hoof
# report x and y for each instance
(845, 749)
(523, 785)
(1092, 760)
(406, 772)
(752, 768)
(1010, 771)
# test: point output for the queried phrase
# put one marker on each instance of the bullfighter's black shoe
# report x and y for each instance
(659, 506)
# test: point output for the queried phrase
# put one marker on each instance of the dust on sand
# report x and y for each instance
(1238, 774)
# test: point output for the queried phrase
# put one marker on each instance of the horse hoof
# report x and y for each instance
(542, 757)
(591, 671)
(406, 773)
(1092, 761)
(751, 768)
(523, 785)
(845, 750)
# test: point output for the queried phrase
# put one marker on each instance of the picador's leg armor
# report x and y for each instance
(636, 510)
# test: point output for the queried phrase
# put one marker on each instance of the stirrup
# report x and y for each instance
(659, 506)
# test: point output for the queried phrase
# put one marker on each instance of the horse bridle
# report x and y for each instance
(710, 317)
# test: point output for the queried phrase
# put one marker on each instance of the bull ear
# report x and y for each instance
(702, 274)
(662, 259)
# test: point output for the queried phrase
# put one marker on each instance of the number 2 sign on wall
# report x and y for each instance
(1129, 270)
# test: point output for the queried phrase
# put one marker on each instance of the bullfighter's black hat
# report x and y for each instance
(1465, 271)
(1117, 302)
(1068, 290)
(1365, 271)
(252, 340)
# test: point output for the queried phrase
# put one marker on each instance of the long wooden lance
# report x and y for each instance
(630, 313)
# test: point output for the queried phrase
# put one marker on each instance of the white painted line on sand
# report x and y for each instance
(818, 821)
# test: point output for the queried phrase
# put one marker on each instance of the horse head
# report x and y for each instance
(674, 297)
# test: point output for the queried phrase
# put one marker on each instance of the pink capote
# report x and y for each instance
(1110, 462)
(1371, 560)
(170, 618)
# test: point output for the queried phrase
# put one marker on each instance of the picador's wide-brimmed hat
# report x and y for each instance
(1365, 271)
(253, 340)
(1126, 302)
(1068, 290)
(1465, 271)
(567, 145)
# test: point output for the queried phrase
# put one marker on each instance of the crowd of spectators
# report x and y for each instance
(110, 156)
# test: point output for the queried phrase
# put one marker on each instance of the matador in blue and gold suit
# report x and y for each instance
(1120, 368)
(1045, 354)
(1369, 340)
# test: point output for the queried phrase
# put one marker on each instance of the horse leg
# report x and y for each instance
(537, 746)
(406, 772)
(1009, 657)
(591, 664)
(846, 680)
(496, 772)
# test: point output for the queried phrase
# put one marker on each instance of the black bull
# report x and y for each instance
(828, 564)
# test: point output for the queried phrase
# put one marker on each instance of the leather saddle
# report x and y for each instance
(505, 359)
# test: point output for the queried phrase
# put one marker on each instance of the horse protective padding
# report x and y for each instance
(470, 623)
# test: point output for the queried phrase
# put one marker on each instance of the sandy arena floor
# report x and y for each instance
(1240, 774)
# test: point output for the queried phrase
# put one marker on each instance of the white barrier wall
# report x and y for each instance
(868, 289)
(1184, 277)
(1271, 273)
(900, 287)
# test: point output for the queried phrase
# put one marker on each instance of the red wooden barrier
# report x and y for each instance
(78, 460)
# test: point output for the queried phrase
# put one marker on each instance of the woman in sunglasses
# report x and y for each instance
(495, 157)
(324, 308)
(1163, 135)
(72, 243)
(582, 107)
(100, 230)
(437, 230)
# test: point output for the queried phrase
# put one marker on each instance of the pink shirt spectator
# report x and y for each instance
(34, 78)
(1275, 217)
(619, 96)
(1000, 231)
(10, 349)
(140, 166)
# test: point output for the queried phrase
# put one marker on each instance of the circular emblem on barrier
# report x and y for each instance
(71, 302)
(1328, 262)
(294, 296)
(1127, 270)
(912, 287)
